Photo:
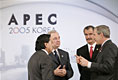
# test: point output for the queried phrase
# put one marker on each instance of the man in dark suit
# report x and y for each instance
(61, 61)
(40, 65)
(85, 51)
(105, 65)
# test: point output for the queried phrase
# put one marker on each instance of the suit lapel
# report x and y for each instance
(61, 57)
(54, 58)
(105, 44)
(88, 54)
(95, 52)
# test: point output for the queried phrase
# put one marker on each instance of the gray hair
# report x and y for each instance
(52, 31)
(103, 29)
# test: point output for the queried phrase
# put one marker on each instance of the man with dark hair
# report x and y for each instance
(40, 65)
(105, 66)
(88, 51)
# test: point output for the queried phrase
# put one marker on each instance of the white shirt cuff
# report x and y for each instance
(89, 64)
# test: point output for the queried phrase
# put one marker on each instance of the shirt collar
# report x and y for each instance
(105, 41)
(92, 45)
(45, 51)
(56, 51)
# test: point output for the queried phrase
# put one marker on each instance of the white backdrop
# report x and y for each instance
(18, 41)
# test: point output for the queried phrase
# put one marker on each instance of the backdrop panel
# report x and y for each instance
(23, 23)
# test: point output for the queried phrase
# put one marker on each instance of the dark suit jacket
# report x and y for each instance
(116, 68)
(64, 60)
(104, 65)
(84, 52)
(40, 67)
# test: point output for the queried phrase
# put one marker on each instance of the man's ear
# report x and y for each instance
(45, 45)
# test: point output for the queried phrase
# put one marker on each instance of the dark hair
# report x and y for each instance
(44, 38)
(88, 27)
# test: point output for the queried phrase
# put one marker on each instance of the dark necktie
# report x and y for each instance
(56, 55)
(91, 51)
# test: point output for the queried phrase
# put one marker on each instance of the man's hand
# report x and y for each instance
(60, 72)
(82, 61)
(77, 59)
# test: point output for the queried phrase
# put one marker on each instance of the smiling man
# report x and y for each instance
(88, 51)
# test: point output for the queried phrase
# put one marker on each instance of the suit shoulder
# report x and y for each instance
(63, 51)
(82, 48)
(112, 46)
(38, 54)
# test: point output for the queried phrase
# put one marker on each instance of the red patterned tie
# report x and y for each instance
(91, 51)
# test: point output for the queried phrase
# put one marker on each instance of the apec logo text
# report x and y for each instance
(35, 27)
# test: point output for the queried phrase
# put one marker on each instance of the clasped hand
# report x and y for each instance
(60, 72)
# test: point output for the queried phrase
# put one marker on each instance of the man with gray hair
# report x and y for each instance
(106, 64)
(60, 58)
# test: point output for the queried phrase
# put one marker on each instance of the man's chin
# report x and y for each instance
(89, 42)
(57, 46)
